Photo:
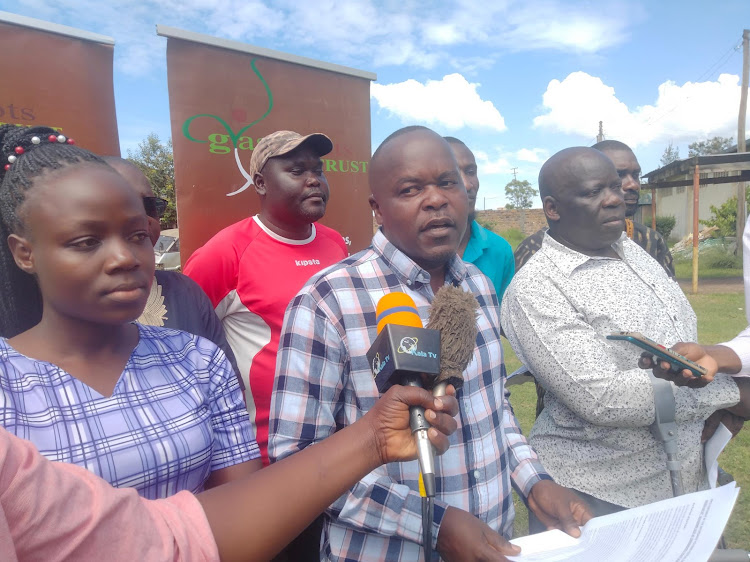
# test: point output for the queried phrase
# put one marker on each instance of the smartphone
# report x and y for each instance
(677, 361)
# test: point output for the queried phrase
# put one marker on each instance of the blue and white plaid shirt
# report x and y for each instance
(324, 382)
(175, 416)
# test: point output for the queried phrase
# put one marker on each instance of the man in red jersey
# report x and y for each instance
(253, 268)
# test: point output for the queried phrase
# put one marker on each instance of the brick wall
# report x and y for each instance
(527, 221)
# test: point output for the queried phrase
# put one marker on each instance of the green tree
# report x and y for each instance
(520, 194)
(671, 154)
(714, 145)
(725, 216)
(155, 160)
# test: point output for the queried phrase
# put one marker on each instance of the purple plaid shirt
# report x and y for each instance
(175, 416)
(324, 382)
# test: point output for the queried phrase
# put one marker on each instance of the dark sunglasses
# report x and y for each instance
(155, 206)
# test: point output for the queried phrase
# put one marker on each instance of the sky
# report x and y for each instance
(515, 80)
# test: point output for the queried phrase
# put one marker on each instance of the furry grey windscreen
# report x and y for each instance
(454, 314)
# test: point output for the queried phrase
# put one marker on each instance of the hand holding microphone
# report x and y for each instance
(389, 422)
(406, 354)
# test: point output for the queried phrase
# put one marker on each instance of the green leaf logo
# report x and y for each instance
(232, 135)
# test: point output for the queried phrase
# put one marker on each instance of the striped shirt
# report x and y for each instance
(176, 414)
(324, 382)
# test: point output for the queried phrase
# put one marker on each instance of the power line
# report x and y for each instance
(716, 66)
(719, 63)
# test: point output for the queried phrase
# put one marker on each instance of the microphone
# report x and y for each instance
(454, 314)
(405, 353)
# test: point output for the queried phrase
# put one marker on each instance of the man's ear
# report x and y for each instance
(259, 183)
(376, 209)
(23, 253)
(549, 204)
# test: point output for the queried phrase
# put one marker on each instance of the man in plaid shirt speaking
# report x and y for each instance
(324, 382)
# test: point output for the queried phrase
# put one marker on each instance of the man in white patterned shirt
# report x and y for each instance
(587, 281)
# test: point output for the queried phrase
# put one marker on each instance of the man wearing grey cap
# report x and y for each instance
(252, 269)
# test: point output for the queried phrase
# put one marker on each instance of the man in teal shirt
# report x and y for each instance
(480, 246)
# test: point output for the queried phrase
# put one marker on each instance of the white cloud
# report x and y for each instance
(502, 163)
(553, 25)
(404, 51)
(486, 165)
(452, 102)
(138, 50)
(532, 154)
(237, 19)
(523, 26)
(683, 113)
(442, 33)
(360, 33)
(495, 170)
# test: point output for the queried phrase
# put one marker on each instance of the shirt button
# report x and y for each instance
(408, 282)
(477, 474)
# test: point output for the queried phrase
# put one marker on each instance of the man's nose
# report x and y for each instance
(629, 183)
(434, 197)
(614, 197)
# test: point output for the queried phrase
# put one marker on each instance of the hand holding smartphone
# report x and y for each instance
(678, 362)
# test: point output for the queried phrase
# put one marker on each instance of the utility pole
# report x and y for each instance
(600, 136)
(515, 171)
(741, 212)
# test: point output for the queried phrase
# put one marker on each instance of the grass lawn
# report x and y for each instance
(720, 317)
(513, 236)
(684, 270)
(713, 262)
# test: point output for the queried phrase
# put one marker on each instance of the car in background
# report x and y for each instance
(167, 250)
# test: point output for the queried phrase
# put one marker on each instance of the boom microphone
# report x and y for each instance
(454, 314)
(404, 353)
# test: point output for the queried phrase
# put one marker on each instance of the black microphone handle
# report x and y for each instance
(419, 427)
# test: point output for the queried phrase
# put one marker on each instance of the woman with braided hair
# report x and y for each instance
(144, 407)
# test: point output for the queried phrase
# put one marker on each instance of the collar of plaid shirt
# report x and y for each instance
(408, 272)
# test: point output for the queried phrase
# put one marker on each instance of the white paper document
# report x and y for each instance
(711, 451)
(682, 529)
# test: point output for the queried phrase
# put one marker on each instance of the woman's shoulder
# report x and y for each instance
(173, 339)
(10, 361)
(10, 357)
(5, 348)
(170, 346)
(19, 373)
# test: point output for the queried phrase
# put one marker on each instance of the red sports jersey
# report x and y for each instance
(251, 274)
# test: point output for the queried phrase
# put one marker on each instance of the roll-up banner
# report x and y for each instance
(60, 77)
(224, 96)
